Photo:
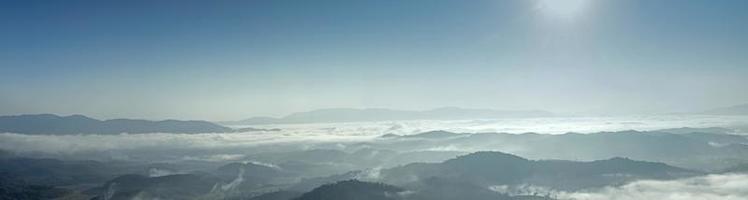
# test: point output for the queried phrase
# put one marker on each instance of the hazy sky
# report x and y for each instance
(222, 60)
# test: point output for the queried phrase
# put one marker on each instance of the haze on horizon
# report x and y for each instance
(229, 60)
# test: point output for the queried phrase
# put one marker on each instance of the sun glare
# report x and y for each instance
(562, 9)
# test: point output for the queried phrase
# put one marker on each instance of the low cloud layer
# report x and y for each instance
(71, 144)
(309, 134)
(711, 187)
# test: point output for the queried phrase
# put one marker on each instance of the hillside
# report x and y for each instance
(78, 124)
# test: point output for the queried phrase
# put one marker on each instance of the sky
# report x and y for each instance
(229, 60)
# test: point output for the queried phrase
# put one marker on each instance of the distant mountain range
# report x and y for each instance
(731, 110)
(79, 124)
(378, 114)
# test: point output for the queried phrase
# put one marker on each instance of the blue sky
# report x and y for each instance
(223, 60)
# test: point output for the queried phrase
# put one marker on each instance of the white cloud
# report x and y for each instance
(711, 187)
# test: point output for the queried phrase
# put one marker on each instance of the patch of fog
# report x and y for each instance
(371, 174)
(710, 187)
(524, 189)
(235, 183)
(717, 144)
(142, 195)
(158, 172)
(446, 148)
(262, 164)
(110, 191)
(406, 193)
(215, 158)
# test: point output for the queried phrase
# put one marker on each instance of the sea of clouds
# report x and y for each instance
(305, 134)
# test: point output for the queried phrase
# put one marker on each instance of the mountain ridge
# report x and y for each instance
(741, 109)
(381, 114)
(50, 124)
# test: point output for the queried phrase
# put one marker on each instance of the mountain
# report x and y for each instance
(79, 124)
(377, 114)
(13, 188)
(279, 195)
(731, 110)
(428, 189)
(353, 189)
(53, 172)
(248, 176)
(180, 186)
(739, 168)
(473, 175)
(704, 149)
(230, 181)
(436, 188)
(496, 168)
